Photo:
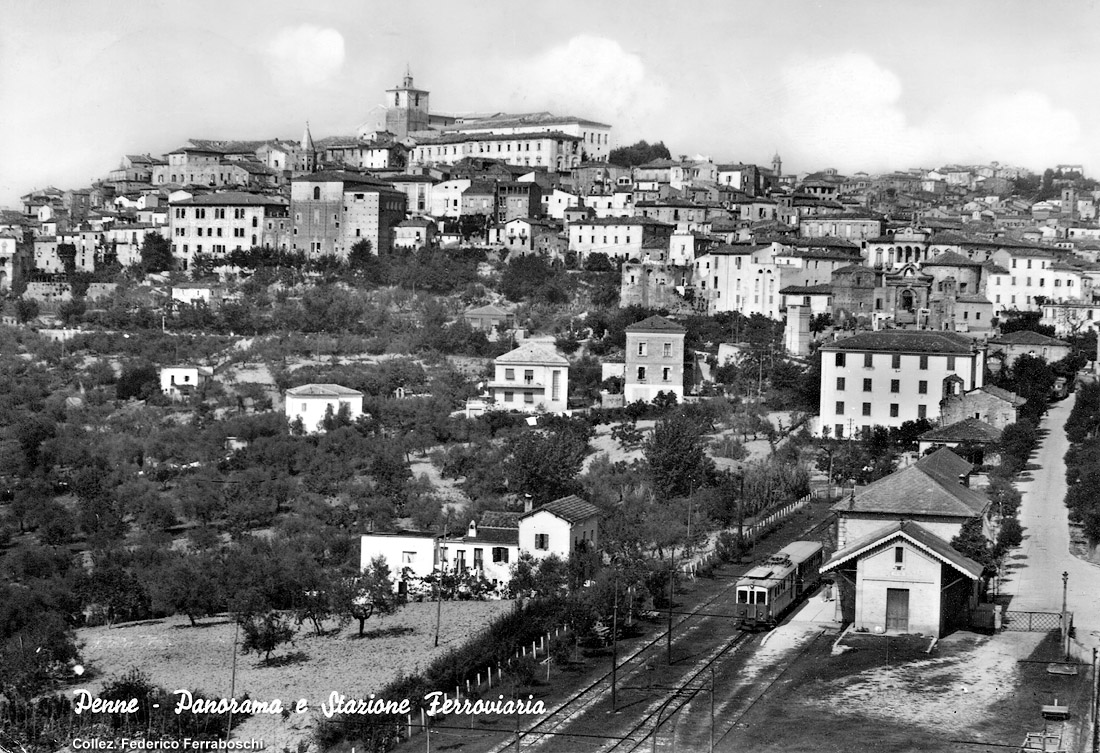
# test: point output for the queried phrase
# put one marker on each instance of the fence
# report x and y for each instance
(1031, 622)
(751, 532)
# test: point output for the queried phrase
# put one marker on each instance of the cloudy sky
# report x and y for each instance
(857, 85)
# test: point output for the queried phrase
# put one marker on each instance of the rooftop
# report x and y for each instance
(656, 324)
(1027, 337)
(534, 352)
(930, 487)
(967, 430)
(323, 390)
(901, 341)
(916, 534)
(572, 509)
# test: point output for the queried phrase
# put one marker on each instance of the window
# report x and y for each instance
(868, 360)
(665, 372)
(529, 397)
(840, 407)
(509, 397)
(866, 409)
(899, 556)
(641, 373)
(924, 362)
(840, 383)
(316, 193)
(666, 350)
(642, 349)
(895, 361)
(951, 363)
(866, 385)
(922, 411)
(840, 359)
(509, 374)
(893, 410)
(895, 385)
(500, 554)
(839, 431)
(542, 541)
(922, 387)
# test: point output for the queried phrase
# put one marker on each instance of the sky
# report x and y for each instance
(870, 85)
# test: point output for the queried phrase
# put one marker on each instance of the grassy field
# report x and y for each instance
(176, 655)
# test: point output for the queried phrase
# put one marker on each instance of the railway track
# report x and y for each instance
(540, 734)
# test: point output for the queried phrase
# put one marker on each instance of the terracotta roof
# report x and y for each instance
(655, 324)
(571, 509)
(598, 221)
(534, 352)
(500, 519)
(465, 137)
(231, 198)
(917, 535)
(323, 390)
(494, 535)
(822, 289)
(967, 430)
(1003, 394)
(1027, 337)
(487, 310)
(903, 341)
(917, 490)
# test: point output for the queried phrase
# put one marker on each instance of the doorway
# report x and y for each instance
(897, 610)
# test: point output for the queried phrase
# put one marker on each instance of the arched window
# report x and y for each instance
(316, 193)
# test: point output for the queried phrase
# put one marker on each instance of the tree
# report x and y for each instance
(26, 309)
(638, 153)
(971, 542)
(139, 381)
(156, 254)
(546, 464)
(370, 593)
(265, 633)
(676, 456)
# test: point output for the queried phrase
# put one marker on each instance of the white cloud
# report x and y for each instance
(591, 77)
(306, 55)
(845, 110)
(848, 111)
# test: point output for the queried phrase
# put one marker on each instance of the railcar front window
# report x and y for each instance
(742, 596)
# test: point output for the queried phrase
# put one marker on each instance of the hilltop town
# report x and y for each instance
(569, 386)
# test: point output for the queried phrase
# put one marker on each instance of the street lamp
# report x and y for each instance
(1065, 621)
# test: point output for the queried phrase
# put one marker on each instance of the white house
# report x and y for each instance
(560, 527)
(180, 382)
(533, 378)
(310, 402)
(654, 360)
(890, 377)
(416, 551)
(739, 278)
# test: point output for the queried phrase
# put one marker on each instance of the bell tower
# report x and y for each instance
(406, 108)
(777, 165)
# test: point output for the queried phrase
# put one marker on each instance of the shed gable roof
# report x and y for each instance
(915, 534)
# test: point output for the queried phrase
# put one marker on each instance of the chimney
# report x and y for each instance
(528, 503)
(472, 530)
(964, 479)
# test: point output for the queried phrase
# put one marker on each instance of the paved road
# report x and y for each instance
(1035, 580)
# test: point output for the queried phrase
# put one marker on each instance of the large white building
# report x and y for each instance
(739, 278)
(593, 139)
(311, 402)
(618, 237)
(217, 223)
(533, 378)
(888, 378)
(1032, 276)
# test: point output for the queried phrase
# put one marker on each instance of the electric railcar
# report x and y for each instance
(766, 592)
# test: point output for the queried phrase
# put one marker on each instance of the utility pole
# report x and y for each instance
(712, 708)
(741, 515)
(233, 677)
(1095, 706)
(1065, 621)
(614, 650)
(671, 578)
(439, 586)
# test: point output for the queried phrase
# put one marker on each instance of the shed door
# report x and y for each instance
(897, 609)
